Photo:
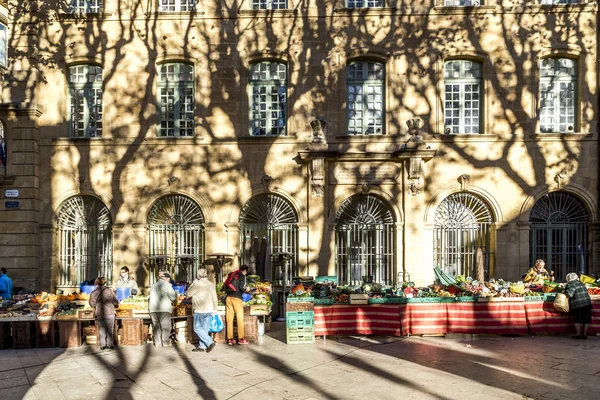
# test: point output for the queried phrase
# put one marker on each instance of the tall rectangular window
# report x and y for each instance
(86, 6)
(558, 94)
(364, 97)
(364, 3)
(3, 45)
(176, 98)
(560, 1)
(462, 97)
(268, 99)
(85, 98)
(269, 4)
(463, 3)
(177, 5)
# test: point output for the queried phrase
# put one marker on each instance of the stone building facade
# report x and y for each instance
(356, 138)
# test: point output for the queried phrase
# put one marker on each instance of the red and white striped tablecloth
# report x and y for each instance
(423, 318)
(373, 319)
(496, 317)
(543, 317)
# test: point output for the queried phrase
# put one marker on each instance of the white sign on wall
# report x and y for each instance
(11, 193)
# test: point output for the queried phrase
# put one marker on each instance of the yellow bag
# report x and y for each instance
(586, 279)
(561, 302)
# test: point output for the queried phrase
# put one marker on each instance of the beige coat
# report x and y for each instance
(204, 296)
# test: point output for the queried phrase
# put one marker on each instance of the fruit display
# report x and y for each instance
(135, 303)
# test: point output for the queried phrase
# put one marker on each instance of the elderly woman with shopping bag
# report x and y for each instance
(204, 304)
(580, 305)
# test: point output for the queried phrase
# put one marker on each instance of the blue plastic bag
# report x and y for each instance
(216, 325)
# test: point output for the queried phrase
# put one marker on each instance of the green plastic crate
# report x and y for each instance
(432, 300)
(300, 299)
(377, 301)
(324, 302)
(395, 300)
(300, 338)
(467, 299)
(300, 322)
(534, 298)
(300, 330)
(300, 314)
(549, 296)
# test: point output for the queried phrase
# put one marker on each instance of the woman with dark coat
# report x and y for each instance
(104, 302)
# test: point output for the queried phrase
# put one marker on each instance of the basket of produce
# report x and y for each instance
(67, 315)
(124, 313)
(342, 299)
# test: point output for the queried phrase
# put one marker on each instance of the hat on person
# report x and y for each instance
(166, 275)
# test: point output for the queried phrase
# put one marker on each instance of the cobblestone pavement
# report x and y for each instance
(357, 367)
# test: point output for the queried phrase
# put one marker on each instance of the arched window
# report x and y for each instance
(365, 95)
(177, 5)
(85, 241)
(364, 235)
(558, 95)
(558, 233)
(269, 238)
(268, 99)
(176, 238)
(176, 99)
(462, 97)
(85, 92)
(463, 224)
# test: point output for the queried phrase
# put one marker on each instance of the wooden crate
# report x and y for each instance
(45, 334)
(85, 314)
(21, 334)
(131, 332)
(4, 342)
(127, 313)
(250, 329)
(69, 334)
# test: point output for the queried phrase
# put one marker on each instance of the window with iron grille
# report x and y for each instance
(176, 238)
(3, 45)
(462, 97)
(85, 241)
(558, 233)
(269, 229)
(268, 99)
(364, 96)
(85, 98)
(86, 6)
(463, 225)
(558, 94)
(176, 100)
(269, 4)
(463, 3)
(364, 3)
(365, 243)
(177, 5)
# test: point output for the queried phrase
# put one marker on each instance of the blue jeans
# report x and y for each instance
(201, 325)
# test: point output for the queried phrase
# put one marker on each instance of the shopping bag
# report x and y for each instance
(561, 302)
(216, 325)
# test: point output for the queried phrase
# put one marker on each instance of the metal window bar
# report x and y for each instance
(562, 246)
(85, 254)
(455, 248)
(178, 249)
(365, 250)
(281, 238)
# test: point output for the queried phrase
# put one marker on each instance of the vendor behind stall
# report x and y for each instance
(538, 274)
(127, 281)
